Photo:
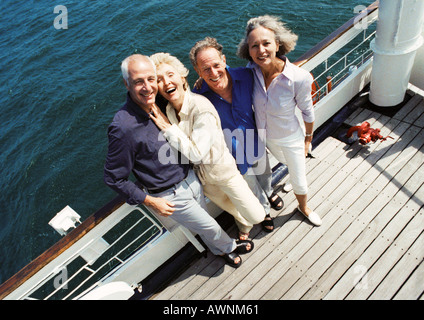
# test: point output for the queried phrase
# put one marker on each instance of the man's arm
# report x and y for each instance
(118, 166)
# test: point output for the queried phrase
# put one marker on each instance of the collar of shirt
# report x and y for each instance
(234, 76)
(275, 106)
(136, 108)
(288, 71)
(185, 109)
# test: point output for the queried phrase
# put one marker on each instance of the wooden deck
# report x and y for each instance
(371, 242)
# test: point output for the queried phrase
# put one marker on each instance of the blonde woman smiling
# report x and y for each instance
(193, 127)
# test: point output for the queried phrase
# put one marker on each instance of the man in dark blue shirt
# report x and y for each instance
(166, 185)
(230, 91)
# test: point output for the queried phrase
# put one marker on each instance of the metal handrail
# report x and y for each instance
(155, 235)
(358, 61)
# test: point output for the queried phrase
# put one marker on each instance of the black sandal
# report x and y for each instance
(276, 204)
(242, 246)
(230, 258)
(268, 223)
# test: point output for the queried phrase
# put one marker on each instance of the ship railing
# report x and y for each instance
(334, 74)
(111, 245)
(125, 244)
(88, 261)
(342, 56)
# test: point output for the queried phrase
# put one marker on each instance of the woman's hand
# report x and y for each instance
(309, 129)
(159, 118)
(308, 141)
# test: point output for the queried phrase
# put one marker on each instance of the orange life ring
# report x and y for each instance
(315, 91)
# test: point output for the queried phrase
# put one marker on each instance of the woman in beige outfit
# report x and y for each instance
(193, 127)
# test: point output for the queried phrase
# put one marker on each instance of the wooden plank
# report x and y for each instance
(216, 290)
(295, 245)
(354, 250)
(413, 288)
(416, 112)
(360, 179)
(191, 279)
(419, 122)
(294, 255)
(179, 287)
(364, 115)
(213, 288)
(350, 120)
(401, 271)
(387, 249)
(263, 262)
(210, 286)
(300, 232)
(306, 279)
(408, 107)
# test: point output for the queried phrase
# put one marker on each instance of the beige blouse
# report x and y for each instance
(199, 137)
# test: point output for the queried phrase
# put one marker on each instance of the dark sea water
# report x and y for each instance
(59, 89)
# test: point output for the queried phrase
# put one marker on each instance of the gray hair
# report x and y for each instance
(206, 43)
(134, 57)
(286, 39)
(160, 58)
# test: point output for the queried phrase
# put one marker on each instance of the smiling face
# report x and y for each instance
(263, 47)
(142, 83)
(212, 68)
(171, 84)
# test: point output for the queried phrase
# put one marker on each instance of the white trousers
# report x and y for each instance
(291, 152)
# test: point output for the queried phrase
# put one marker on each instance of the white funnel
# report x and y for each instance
(397, 39)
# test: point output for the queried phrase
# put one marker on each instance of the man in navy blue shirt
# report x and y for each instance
(164, 183)
(230, 91)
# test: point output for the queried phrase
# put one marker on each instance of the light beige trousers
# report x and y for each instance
(235, 197)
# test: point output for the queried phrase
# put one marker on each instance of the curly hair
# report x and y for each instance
(285, 37)
(208, 42)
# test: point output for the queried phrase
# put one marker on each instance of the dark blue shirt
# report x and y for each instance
(237, 118)
(137, 145)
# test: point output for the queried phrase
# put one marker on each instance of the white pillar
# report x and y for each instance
(417, 75)
(397, 39)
